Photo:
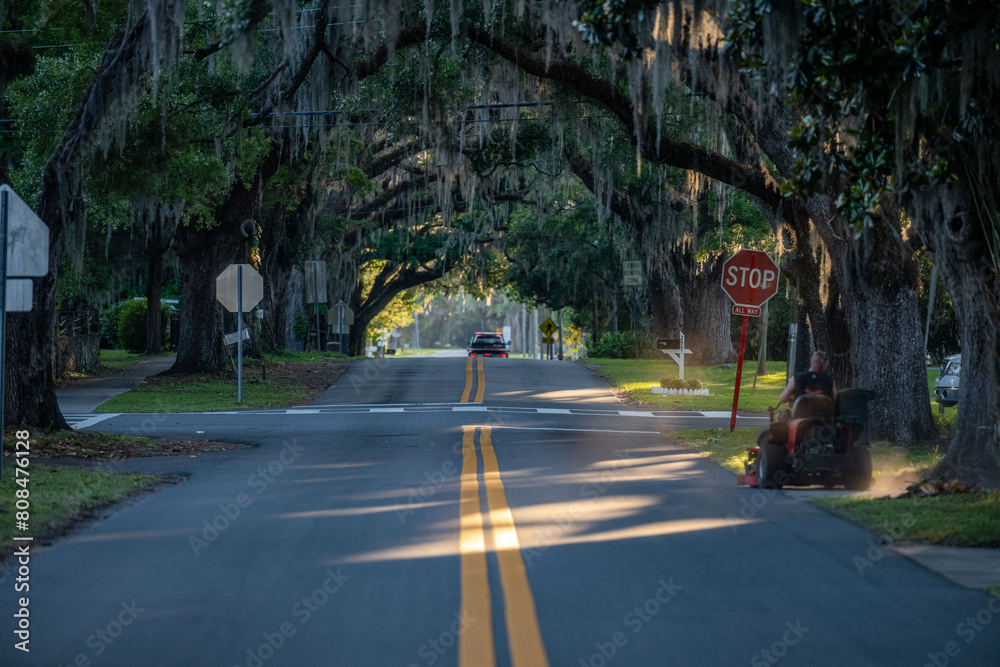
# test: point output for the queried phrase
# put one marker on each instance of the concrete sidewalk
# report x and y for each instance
(84, 395)
(971, 568)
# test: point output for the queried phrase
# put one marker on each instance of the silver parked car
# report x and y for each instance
(946, 384)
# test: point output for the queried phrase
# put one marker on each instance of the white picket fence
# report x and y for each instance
(679, 392)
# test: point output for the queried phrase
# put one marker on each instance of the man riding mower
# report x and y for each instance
(823, 439)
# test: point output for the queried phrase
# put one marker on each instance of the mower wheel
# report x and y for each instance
(771, 466)
(860, 478)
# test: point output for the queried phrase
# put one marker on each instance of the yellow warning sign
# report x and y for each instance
(548, 327)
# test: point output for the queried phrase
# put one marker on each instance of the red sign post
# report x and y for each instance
(750, 278)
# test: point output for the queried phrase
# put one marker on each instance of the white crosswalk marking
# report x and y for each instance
(85, 420)
(78, 421)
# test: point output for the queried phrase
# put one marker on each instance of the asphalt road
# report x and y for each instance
(432, 511)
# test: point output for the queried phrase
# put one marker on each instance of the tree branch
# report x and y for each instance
(690, 157)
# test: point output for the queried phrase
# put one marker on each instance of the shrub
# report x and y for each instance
(675, 383)
(132, 325)
(299, 326)
(109, 325)
(620, 345)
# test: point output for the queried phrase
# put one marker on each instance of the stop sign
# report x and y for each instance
(750, 278)
(227, 285)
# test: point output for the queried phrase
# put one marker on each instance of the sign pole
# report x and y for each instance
(682, 355)
(3, 317)
(316, 301)
(635, 324)
(560, 335)
(340, 326)
(239, 333)
(739, 373)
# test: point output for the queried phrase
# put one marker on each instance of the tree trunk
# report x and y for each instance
(878, 276)
(948, 225)
(203, 254)
(762, 337)
(276, 269)
(30, 395)
(707, 310)
(888, 346)
(614, 309)
(665, 304)
(154, 284)
(822, 324)
(803, 348)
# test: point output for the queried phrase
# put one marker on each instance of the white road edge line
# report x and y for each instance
(383, 405)
(726, 415)
(575, 430)
(94, 420)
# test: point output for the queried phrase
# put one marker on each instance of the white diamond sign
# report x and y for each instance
(227, 283)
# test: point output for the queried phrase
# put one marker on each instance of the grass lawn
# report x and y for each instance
(58, 496)
(414, 351)
(637, 376)
(309, 356)
(968, 520)
(284, 379)
(728, 449)
(197, 394)
(117, 360)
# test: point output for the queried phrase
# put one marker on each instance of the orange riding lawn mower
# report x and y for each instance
(818, 441)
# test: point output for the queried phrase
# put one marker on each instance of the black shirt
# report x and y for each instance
(813, 382)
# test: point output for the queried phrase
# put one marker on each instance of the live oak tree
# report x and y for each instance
(851, 282)
(98, 121)
(897, 102)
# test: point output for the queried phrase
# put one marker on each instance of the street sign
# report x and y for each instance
(226, 287)
(749, 311)
(239, 288)
(632, 274)
(548, 327)
(548, 340)
(315, 282)
(340, 318)
(334, 315)
(230, 339)
(750, 278)
(27, 239)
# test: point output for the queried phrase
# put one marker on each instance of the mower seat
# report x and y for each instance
(812, 405)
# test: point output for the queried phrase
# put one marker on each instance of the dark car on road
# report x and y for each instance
(487, 344)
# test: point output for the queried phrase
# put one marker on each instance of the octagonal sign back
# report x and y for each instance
(226, 287)
(750, 278)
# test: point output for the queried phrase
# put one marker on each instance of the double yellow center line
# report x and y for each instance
(481, 391)
(524, 637)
